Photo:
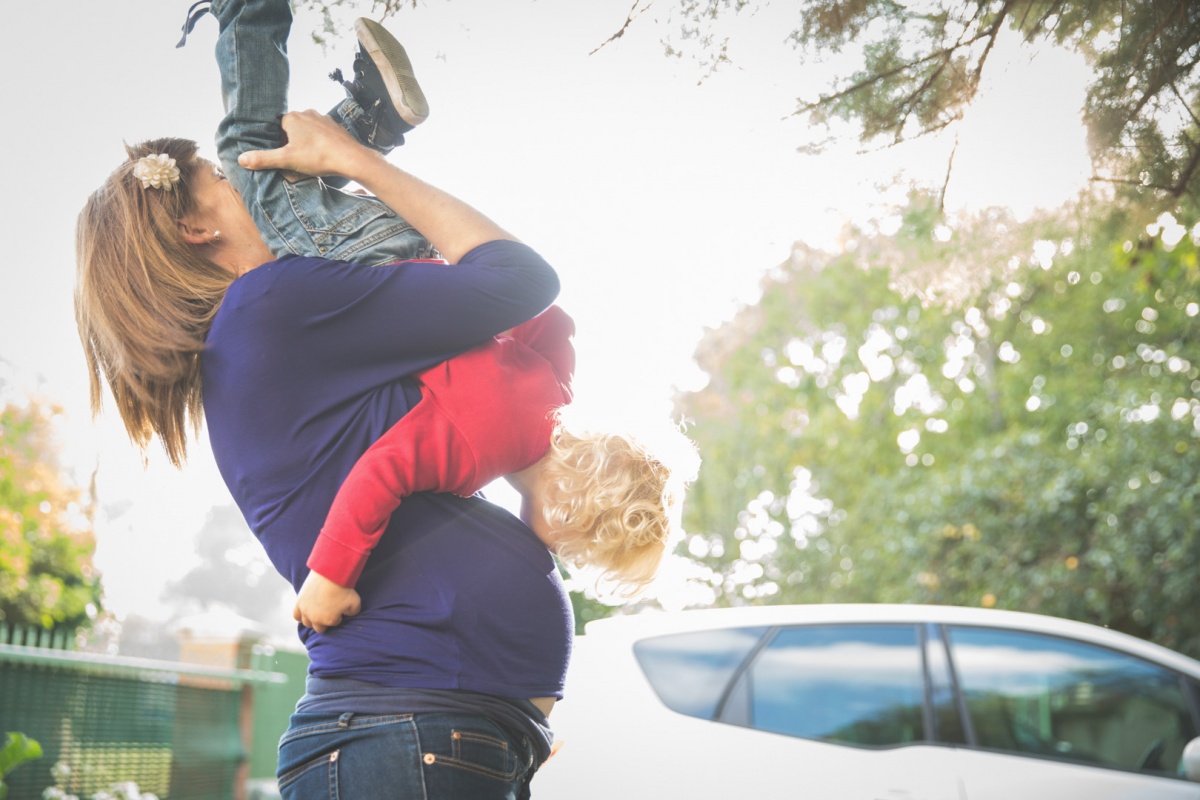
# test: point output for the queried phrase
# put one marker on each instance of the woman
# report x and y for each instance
(441, 685)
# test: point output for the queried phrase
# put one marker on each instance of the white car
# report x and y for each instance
(872, 702)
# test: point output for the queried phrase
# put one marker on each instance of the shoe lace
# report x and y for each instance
(194, 13)
(356, 90)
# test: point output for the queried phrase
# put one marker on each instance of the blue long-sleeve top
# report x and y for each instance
(307, 363)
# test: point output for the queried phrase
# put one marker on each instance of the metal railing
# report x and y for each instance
(180, 731)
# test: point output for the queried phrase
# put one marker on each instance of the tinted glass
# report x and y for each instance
(860, 684)
(1043, 695)
(691, 671)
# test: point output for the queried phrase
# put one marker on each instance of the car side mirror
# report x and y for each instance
(1191, 760)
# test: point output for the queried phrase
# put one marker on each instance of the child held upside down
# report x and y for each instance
(595, 499)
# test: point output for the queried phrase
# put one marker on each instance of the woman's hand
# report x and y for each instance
(315, 145)
(322, 604)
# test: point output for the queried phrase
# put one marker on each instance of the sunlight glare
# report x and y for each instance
(1022, 143)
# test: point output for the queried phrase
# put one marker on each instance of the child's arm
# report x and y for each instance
(383, 476)
(422, 452)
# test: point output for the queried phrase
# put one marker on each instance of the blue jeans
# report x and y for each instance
(401, 757)
(305, 217)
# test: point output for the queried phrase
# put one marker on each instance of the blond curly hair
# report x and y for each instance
(613, 500)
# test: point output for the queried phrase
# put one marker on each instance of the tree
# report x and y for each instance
(46, 540)
(921, 65)
(1036, 448)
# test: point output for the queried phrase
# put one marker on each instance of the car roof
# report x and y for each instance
(648, 623)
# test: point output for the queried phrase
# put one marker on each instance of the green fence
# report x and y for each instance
(273, 706)
(181, 731)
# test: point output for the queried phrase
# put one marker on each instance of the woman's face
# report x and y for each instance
(220, 220)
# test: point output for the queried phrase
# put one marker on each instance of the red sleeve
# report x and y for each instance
(419, 453)
(549, 335)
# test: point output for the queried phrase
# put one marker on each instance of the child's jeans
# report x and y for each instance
(307, 217)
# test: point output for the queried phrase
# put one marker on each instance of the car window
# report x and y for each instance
(1045, 695)
(691, 671)
(943, 697)
(856, 684)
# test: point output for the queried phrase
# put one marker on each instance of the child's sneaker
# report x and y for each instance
(384, 87)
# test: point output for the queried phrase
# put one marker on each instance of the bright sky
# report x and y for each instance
(660, 200)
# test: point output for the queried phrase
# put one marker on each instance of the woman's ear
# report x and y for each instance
(194, 233)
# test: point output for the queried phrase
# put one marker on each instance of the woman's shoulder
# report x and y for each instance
(499, 249)
(287, 268)
(294, 276)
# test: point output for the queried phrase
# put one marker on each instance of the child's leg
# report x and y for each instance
(305, 217)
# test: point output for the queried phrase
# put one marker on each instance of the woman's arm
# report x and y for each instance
(316, 145)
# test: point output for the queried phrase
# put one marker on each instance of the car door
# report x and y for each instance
(1051, 717)
(854, 698)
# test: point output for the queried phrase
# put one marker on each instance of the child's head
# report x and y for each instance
(613, 501)
(144, 297)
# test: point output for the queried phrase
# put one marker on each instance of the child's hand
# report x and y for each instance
(322, 604)
(315, 145)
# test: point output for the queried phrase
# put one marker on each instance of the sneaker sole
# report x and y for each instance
(395, 68)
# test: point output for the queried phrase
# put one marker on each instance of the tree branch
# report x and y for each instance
(909, 103)
(1186, 106)
(1156, 34)
(932, 129)
(1131, 182)
(1047, 13)
(941, 203)
(992, 34)
(1185, 177)
(629, 18)
(942, 54)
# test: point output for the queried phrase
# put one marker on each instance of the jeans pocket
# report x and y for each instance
(480, 750)
(344, 226)
(313, 780)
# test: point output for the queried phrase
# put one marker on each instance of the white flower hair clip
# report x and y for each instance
(158, 170)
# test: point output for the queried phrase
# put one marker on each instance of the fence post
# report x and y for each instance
(246, 726)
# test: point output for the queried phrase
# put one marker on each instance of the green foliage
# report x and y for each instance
(922, 63)
(586, 608)
(18, 748)
(46, 542)
(336, 15)
(1034, 448)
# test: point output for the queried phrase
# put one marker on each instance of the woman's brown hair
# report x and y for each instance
(145, 299)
